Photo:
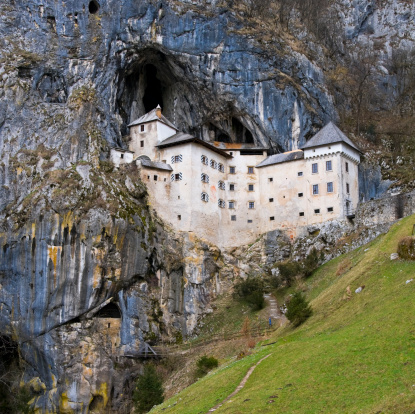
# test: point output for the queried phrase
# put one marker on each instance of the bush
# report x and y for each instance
(311, 262)
(148, 390)
(205, 364)
(289, 271)
(298, 309)
(252, 291)
(406, 248)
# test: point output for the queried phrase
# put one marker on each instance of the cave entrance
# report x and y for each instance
(230, 130)
(153, 94)
(109, 311)
(93, 6)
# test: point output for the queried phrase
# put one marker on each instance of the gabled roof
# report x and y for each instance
(152, 116)
(183, 138)
(284, 157)
(146, 162)
(330, 134)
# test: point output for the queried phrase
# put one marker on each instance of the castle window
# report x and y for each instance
(176, 158)
(176, 177)
(142, 144)
(347, 167)
(251, 204)
(300, 173)
(204, 197)
(315, 189)
(347, 188)
(233, 218)
(221, 185)
(250, 170)
(317, 211)
(300, 194)
(231, 204)
(179, 217)
(221, 168)
(249, 221)
(330, 209)
(250, 187)
(329, 187)
(148, 177)
(231, 170)
(155, 178)
(301, 214)
(270, 179)
(271, 200)
(221, 203)
(329, 166)
(272, 218)
(122, 155)
(141, 128)
(231, 187)
(204, 159)
(213, 164)
(314, 168)
(204, 178)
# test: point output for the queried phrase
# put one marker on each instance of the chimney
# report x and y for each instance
(158, 111)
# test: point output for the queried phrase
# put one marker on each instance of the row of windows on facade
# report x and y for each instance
(329, 167)
(221, 204)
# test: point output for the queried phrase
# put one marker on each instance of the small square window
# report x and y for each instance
(270, 179)
(329, 166)
(178, 197)
(250, 187)
(231, 170)
(251, 204)
(233, 218)
(179, 217)
(165, 179)
(142, 144)
(249, 221)
(301, 214)
(314, 168)
(330, 209)
(317, 211)
(315, 189)
(142, 128)
(231, 187)
(271, 200)
(231, 204)
(122, 155)
(148, 177)
(250, 170)
(300, 173)
(178, 176)
(231, 153)
(272, 218)
(155, 178)
(300, 194)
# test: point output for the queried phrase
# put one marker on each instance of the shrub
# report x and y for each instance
(252, 291)
(298, 309)
(288, 271)
(311, 262)
(148, 390)
(406, 248)
(205, 364)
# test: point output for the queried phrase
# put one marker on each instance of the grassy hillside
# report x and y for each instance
(353, 355)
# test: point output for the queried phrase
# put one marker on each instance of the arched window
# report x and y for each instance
(204, 159)
(221, 185)
(204, 178)
(205, 197)
(221, 203)
(221, 168)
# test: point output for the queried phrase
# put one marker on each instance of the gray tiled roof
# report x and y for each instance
(330, 134)
(155, 164)
(152, 116)
(279, 158)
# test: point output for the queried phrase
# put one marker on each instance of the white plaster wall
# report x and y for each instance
(115, 157)
(164, 131)
(150, 138)
(333, 149)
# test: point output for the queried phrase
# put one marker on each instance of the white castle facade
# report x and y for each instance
(231, 193)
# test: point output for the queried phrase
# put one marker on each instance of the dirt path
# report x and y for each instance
(239, 387)
(274, 310)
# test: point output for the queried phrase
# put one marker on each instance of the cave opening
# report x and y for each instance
(109, 311)
(153, 93)
(93, 6)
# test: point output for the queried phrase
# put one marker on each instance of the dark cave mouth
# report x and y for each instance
(93, 7)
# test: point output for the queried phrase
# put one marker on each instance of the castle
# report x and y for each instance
(230, 193)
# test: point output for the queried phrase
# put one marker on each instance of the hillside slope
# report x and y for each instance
(353, 355)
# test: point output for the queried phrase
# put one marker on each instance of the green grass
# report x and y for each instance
(351, 356)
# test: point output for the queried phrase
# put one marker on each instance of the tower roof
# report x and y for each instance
(152, 116)
(330, 134)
